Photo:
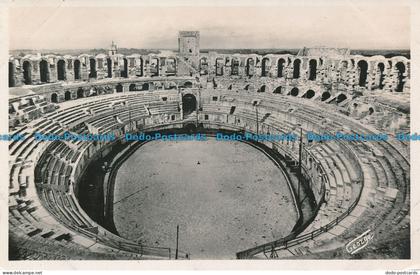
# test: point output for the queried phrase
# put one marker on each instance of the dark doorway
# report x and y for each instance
(92, 71)
(341, 98)
(119, 88)
(109, 67)
(296, 68)
(54, 98)
(309, 94)
(278, 90)
(362, 67)
(27, 73)
(80, 93)
(124, 72)
(401, 70)
(67, 95)
(262, 89)
(43, 70)
(294, 92)
(265, 67)
(189, 104)
(280, 65)
(11, 74)
(61, 69)
(250, 67)
(381, 68)
(325, 96)
(132, 87)
(77, 69)
(312, 69)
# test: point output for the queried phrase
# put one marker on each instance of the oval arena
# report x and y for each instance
(71, 199)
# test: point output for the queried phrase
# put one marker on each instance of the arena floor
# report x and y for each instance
(225, 196)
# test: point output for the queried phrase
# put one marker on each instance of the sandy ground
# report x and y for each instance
(234, 199)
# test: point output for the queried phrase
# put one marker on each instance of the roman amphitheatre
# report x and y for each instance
(113, 200)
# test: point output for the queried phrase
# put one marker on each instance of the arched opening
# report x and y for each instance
(280, 67)
(265, 67)
(309, 94)
(294, 92)
(189, 104)
(54, 98)
(250, 64)
(77, 69)
(170, 66)
(371, 111)
(145, 87)
(67, 95)
(246, 88)
(325, 96)
(262, 89)
(132, 87)
(61, 70)
(43, 70)
(80, 93)
(235, 67)
(381, 69)
(219, 66)
(341, 98)
(92, 71)
(400, 77)
(204, 66)
(11, 74)
(362, 67)
(296, 68)
(109, 67)
(139, 67)
(312, 69)
(27, 73)
(278, 90)
(154, 67)
(119, 88)
(124, 72)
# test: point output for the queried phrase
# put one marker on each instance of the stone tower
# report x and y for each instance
(189, 51)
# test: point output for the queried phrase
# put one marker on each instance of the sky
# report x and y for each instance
(355, 27)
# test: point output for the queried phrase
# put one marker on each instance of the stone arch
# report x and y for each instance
(325, 96)
(170, 63)
(380, 72)
(92, 68)
(154, 66)
(119, 88)
(44, 71)
(220, 63)
(262, 89)
(278, 90)
(400, 76)
(265, 66)
(76, 67)
(280, 67)
(234, 67)
(341, 98)
(61, 70)
(132, 87)
(109, 67)
(189, 104)
(312, 69)
(67, 95)
(371, 110)
(250, 67)
(27, 72)
(54, 98)
(296, 68)
(362, 68)
(294, 91)
(124, 71)
(204, 66)
(309, 94)
(80, 93)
